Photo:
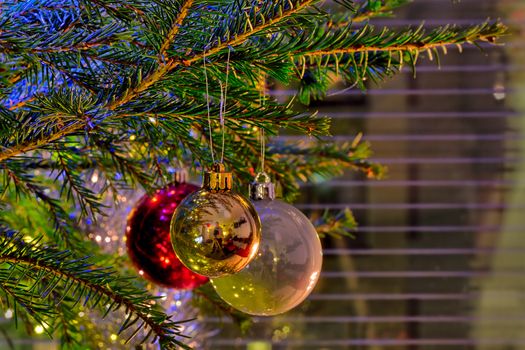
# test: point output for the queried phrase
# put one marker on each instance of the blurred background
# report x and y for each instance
(438, 260)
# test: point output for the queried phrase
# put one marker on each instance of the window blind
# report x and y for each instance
(437, 261)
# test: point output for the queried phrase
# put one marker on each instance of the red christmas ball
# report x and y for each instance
(148, 239)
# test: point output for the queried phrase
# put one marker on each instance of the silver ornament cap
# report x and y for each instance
(262, 187)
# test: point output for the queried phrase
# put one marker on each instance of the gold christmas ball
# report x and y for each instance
(215, 232)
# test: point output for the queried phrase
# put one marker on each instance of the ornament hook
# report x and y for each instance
(217, 179)
(262, 187)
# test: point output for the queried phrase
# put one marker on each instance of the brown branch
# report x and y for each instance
(393, 48)
(176, 27)
(23, 148)
(21, 103)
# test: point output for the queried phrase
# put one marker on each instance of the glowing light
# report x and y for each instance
(141, 272)
(153, 120)
(107, 239)
(113, 337)
(94, 178)
(132, 138)
(81, 314)
(98, 238)
(8, 314)
(499, 92)
(39, 329)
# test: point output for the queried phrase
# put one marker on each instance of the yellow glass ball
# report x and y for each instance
(286, 268)
(215, 233)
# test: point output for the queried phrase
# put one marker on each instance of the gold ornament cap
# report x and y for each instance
(217, 180)
(262, 187)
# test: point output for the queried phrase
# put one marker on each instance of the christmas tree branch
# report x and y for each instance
(242, 38)
(21, 190)
(206, 298)
(82, 46)
(165, 65)
(183, 13)
(30, 262)
(73, 184)
(34, 144)
(339, 225)
(173, 63)
(21, 103)
(409, 40)
(371, 9)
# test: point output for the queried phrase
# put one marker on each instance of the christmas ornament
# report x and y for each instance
(287, 265)
(110, 232)
(148, 238)
(214, 231)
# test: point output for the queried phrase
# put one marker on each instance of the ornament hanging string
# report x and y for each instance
(208, 106)
(222, 111)
(261, 133)
(222, 106)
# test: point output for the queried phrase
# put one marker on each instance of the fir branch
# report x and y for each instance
(411, 40)
(173, 63)
(82, 281)
(295, 7)
(79, 47)
(21, 103)
(31, 145)
(73, 184)
(374, 8)
(164, 67)
(122, 11)
(170, 37)
(18, 180)
(342, 224)
(210, 303)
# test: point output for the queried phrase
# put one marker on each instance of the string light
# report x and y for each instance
(8, 314)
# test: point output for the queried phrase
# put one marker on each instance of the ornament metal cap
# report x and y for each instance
(217, 180)
(262, 187)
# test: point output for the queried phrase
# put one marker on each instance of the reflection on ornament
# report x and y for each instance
(148, 239)
(214, 231)
(288, 263)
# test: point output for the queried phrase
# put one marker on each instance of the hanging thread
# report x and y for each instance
(222, 106)
(208, 106)
(263, 149)
(261, 133)
(222, 111)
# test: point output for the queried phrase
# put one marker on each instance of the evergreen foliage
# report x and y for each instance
(118, 88)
